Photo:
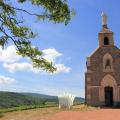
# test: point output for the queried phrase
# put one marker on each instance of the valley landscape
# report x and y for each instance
(17, 106)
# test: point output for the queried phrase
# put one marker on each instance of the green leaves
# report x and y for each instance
(6, 7)
(12, 28)
(26, 50)
(3, 40)
(54, 10)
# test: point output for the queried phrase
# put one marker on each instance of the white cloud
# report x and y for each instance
(9, 54)
(11, 61)
(14, 67)
(51, 54)
(6, 80)
(62, 68)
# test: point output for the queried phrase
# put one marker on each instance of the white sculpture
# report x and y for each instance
(66, 100)
(104, 19)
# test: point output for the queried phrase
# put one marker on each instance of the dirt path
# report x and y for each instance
(101, 114)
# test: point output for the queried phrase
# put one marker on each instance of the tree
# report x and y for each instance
(12, 28)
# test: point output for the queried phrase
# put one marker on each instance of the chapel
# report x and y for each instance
(102, 78)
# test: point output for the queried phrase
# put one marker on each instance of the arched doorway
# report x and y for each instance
(108, 89)
(108, 96)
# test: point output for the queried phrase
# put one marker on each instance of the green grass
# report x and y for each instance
(21, 108)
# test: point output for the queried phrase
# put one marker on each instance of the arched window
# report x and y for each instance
(108, 64)
(106, 41)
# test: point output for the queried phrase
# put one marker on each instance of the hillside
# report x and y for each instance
(77, 100)
(41, 96)
(11, 99)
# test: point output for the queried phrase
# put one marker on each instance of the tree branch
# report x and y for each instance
(38, 15)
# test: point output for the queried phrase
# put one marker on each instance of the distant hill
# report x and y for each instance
(11, 99)
(44, 98)
(36, 95)
(77, 100)
(49, 97)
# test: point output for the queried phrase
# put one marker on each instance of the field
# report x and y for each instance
(40, 113)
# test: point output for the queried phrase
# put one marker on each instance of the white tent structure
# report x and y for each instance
(66, 100)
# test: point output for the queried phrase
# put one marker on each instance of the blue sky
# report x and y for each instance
(70, 45)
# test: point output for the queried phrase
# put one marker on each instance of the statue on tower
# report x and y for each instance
(104, 20)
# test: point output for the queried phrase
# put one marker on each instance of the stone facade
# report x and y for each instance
(103, 71)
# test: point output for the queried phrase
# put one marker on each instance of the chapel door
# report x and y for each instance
(108, 96)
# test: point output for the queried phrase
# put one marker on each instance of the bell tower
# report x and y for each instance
(105, 36)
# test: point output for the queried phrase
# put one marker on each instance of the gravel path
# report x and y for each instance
(101, 114)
